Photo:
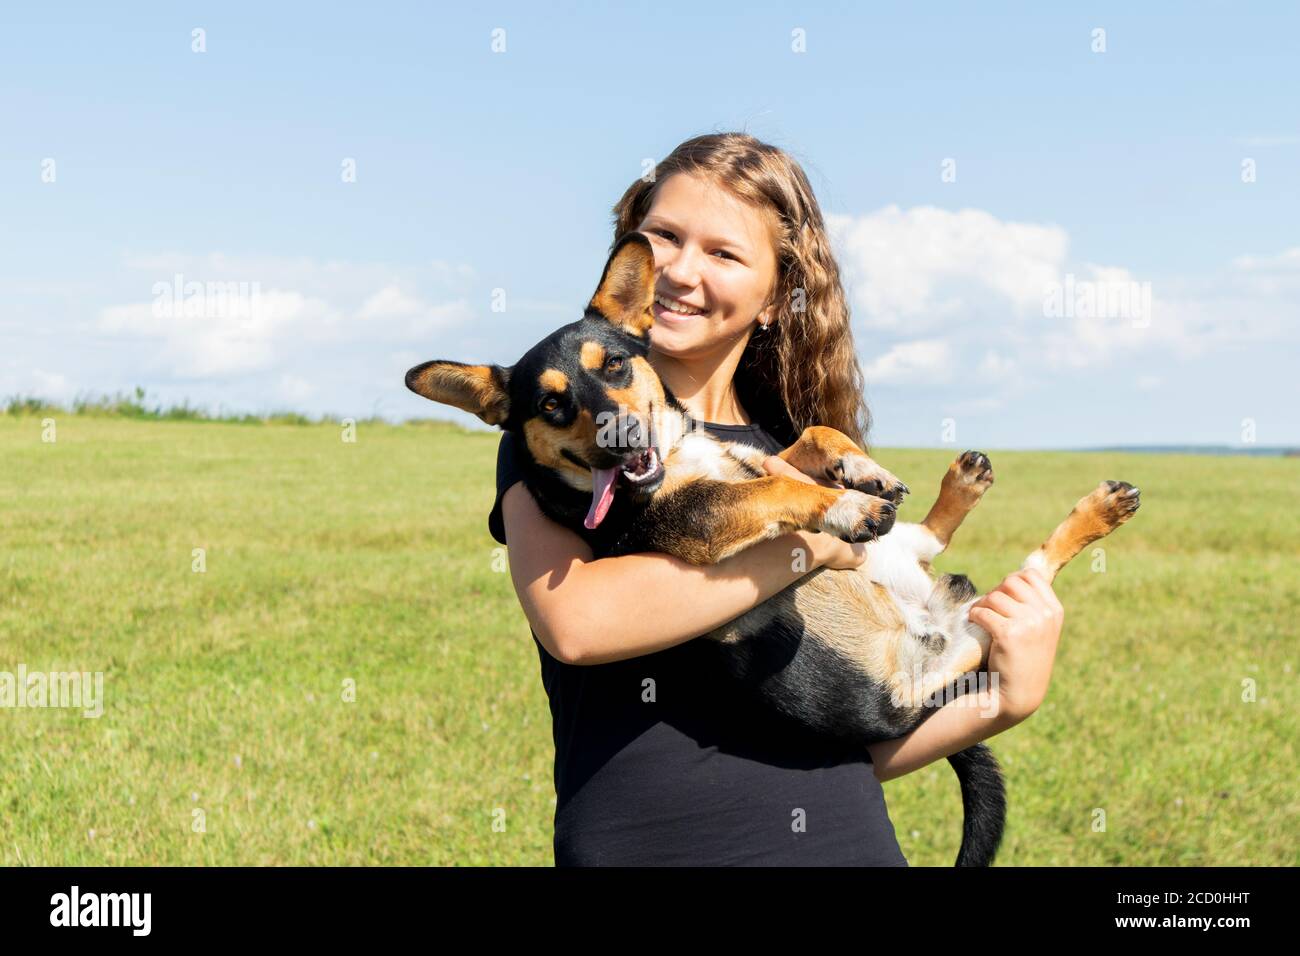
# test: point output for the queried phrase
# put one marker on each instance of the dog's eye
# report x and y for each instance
(549, 404)
(615, 364)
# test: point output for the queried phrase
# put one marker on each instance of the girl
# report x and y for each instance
(656, 761)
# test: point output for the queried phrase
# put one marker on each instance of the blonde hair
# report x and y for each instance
(804, 369)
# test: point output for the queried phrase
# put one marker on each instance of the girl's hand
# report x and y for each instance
(827, 550)
(1024, 618)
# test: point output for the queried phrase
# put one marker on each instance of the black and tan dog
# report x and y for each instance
(862, 655)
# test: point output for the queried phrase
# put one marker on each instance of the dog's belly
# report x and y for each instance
(825, 652)
(847, 653)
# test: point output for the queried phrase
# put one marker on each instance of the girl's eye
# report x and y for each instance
(550, 403)
(615, 364)
(724, 252)
(663, 234)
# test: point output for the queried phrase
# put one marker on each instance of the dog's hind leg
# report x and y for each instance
(1095, 516)
(961, 490)
(938, 664)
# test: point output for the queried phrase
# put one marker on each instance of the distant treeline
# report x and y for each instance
(122, 405)
(1276, 451)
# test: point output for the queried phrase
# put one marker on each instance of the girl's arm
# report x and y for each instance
(593, 611)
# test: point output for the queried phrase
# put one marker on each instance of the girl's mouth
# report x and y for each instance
(671, 309)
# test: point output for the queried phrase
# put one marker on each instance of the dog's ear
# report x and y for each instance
(627, 287)
(482, 390)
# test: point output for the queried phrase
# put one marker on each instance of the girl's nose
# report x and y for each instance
(682, 269)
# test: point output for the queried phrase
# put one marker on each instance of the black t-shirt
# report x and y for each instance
(662, 760)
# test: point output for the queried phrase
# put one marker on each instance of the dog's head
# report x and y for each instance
(585, 399)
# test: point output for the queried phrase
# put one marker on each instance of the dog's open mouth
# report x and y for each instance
(642, 468)
(637, 471)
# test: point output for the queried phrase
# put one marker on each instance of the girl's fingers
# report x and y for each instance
(986, 618)
(779, 466)
(1004, 604)
(1020, 589)
(774, 465)
(1035, 579)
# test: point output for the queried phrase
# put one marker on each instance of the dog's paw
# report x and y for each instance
(856, 471)
(858, 517)
(974, 468)
(969, 476)
(1114, 502)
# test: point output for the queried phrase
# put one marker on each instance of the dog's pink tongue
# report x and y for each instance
(602, 495)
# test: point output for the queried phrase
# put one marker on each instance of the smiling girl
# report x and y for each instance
(657, 762)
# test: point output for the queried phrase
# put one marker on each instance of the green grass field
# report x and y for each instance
(370, 562)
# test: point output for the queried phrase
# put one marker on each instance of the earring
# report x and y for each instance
(762, 326)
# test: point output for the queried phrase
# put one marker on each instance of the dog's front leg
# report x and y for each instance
(705, 521)
(823, 452)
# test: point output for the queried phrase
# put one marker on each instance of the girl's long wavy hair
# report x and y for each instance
(803, 370)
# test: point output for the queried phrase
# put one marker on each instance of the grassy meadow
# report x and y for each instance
(230, 734)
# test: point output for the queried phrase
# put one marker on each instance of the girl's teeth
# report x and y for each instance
(675, 307)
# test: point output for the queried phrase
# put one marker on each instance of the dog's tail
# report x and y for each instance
(984, 802)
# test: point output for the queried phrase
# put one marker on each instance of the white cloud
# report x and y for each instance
(925, 361)
(390, 302)
(50, 384)
(296, 389)
(1287, 261)
(994, 366)
(411, 315)
(217, 316)
(214, 336)
(932, 288)
(925, 267)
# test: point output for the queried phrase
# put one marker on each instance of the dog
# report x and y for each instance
(861, 655)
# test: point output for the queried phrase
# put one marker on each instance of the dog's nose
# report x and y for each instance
(621, 436)
(633, 435)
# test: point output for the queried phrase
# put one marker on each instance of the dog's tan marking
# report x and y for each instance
(592, 355)
(960, 491)
(553, 380)
(1095, 516)
(547, 442)
(644, 389)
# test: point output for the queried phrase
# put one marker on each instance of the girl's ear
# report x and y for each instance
(481, 390)
(626, 292)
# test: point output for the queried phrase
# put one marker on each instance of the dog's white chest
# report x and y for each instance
(700, 455)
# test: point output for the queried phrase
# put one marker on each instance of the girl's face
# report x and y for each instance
(714, 259)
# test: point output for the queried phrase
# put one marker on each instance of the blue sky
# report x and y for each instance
(477, 171)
